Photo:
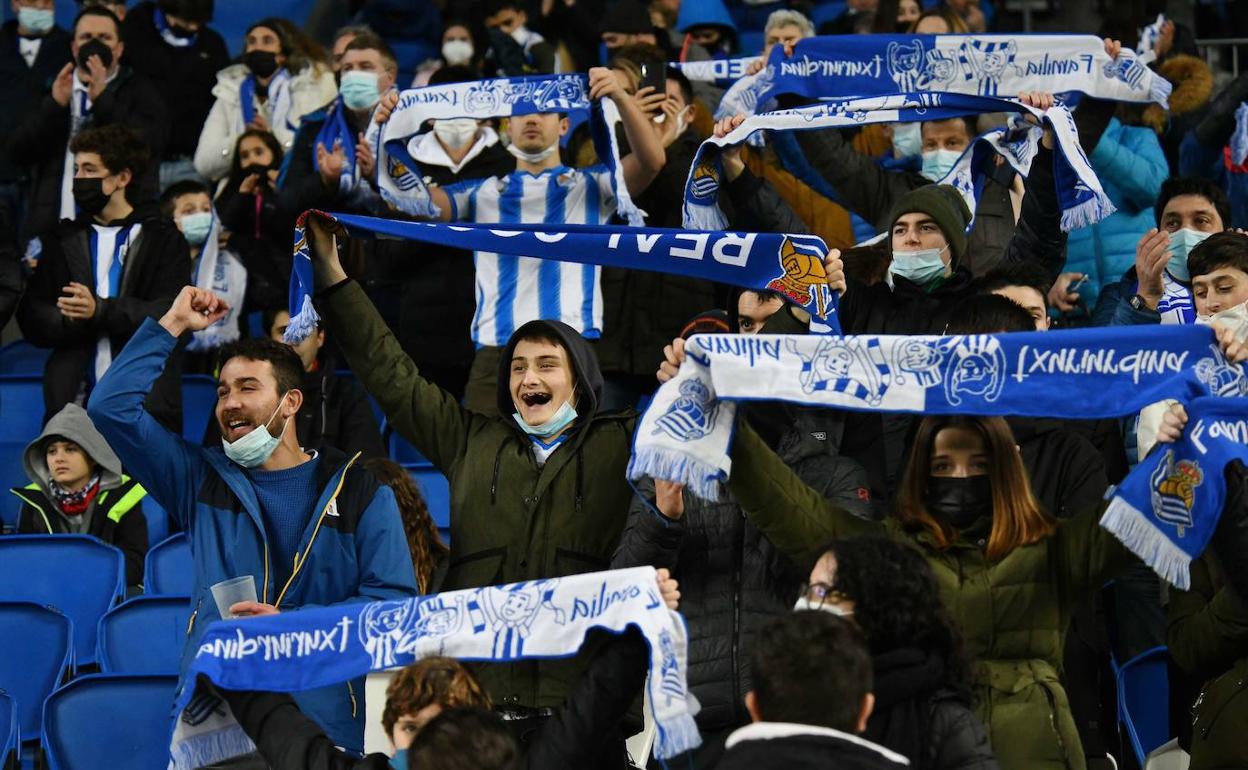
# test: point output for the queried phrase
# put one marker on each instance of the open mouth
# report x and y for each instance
(237, 427)
(535, 399)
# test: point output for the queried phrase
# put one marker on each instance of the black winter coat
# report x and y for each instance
(1067, 472)
(262, 241)
(11, 279)
(184, 77)
(41, 138)
(733, 581)
(156, 268)
(21, 86)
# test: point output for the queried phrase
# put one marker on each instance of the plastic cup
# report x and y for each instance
(227, 593)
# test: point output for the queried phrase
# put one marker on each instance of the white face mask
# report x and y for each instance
(257, 446)
(457, 52)
(835, 609)
(907, 139)
(561, 419)
(1233, 317)
(938, 163)
(532, 157)
(520, 35)
(455, 132)
(921, 267)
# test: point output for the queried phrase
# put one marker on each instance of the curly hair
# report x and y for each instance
(423, 540)
(444, 681)
(897, 602)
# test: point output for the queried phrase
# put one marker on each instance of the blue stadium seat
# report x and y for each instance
(10, 732)
(403, 453)
(21, 419)
(347, 374)
(144, 635)
(827, 11)
(110, 720)
(77, 574)
(10, 510)
(157, 521)
(38, 655)
(1144, 700)
(436, 490)
(199, 398)
(169, 570)
(751, 42)
(21, 357)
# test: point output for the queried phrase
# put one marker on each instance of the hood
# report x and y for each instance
(584, 367)
(72, 423)
(698, 13)
(1192, 82)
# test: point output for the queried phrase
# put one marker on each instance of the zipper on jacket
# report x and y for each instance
(190, 624)
(737, 557)
(299, 562)
(498, 458)
(351, 694)
(1061, 742)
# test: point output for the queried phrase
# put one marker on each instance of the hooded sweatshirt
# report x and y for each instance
(116, 513)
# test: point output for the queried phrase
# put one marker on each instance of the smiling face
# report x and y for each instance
(247, 397)
(68, 465)
(541, 380)
(1219, 290)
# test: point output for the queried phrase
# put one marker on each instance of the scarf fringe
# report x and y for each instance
(210, 748)
(701, 217)
(1087, 213)
(1160, 90)
(1127, 523)
(675, 736)
(303, 323)
(213, 337)
(1239, 139)
(702, 479)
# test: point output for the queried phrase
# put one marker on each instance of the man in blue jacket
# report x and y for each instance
(311, 528)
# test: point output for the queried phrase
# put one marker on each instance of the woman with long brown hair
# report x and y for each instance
(429, 553)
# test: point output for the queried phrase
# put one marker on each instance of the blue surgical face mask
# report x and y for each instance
(37, 20)
(938, 163)
(1181, 244)
(399, 760)
(257, 446)
(907, 139)
(920, 267)
(196, 227)
(359, 90)
(561, 419)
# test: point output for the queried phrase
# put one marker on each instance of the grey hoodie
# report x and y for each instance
(73, 424)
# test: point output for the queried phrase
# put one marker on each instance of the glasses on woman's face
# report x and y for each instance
(819, 594)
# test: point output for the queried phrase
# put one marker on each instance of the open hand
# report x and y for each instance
(331, 164)
(97, 77)
(364, 158)
(63, 86)
(1151, 255)
(252, 609)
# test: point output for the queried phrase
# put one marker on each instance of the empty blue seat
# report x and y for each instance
(21, 357)
(403, 453)
(10, 732)
(169, 570)
(199, 399)
(38, 654)
(436, 491)
(1144, 700)
(157, 521)
(77, 574)
(21, 420)
(144, 635)
(110, 720)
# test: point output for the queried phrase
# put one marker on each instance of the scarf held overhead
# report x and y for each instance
(1080, 194)
(789, 264)
(398, 175)
(312, 648)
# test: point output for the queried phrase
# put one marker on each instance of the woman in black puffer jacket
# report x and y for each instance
(922, 678)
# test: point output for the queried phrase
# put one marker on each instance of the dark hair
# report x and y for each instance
(811, 668)
(989, 314)
(97, 10)
(191, 10)
(279, 29)
(494, 7)
(1027, 274)
(452, 73)
(1190, 185)
(371, 41)
(898, 604)
(682, 82)
(1224, 249)
(423, 540)
(236, 167)
(969, 122)
(169, 198)
(287, 368)
(119, 148)
(464, 739)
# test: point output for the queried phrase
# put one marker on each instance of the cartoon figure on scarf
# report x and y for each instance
(381, 627)
(671, 683)
(511, 612)
(914, 69)
(849, 367)
(985, 62)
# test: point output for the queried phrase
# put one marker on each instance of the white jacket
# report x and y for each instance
(304, 92)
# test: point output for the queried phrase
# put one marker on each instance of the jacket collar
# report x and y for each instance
(767, 731)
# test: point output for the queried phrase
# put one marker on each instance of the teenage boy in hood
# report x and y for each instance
(77, 487)
(310, 527)
(537, 492)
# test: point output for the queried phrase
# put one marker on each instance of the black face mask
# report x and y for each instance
(95, 47)
(261, 63)
(960, 503)
(255, 168)
(180, 31)
(89, 195)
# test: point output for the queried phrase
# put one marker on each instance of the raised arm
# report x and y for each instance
(643, 164)
(866, 189)
(756, 206)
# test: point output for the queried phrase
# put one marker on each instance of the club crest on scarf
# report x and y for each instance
(1174, 491)
(804, 277)
(1220, 377)
(705, 184)
(692, 415)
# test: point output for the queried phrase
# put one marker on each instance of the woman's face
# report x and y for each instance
(959, 453)
(456, 32)
(908, 12)
(252, 151)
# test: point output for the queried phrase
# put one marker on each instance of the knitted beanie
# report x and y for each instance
(945, 206)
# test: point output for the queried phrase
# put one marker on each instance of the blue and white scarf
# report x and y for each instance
(1150, 35)
(841, 66)
(279, 101)
(399, 176)
(789, 264)
(166, 34)
(221, 272)
(312, 648)
(1167, 509)
(336, 131)
(1083, 200)
(711, 70)
(1175, 305)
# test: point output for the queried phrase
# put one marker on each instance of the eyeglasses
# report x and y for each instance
(819, 594)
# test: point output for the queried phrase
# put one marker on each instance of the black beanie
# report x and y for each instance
(945, 206)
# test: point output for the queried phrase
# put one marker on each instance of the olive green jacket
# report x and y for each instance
(1208, 638)
(511, 520)
(1013, 613)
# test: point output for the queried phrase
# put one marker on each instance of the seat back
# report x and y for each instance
(21, 420)
(21, 357)
(169, 570)
(1144, 701)
(403, 453)
(77, 574)
(436, 490)
(110, 720)
(37, 645)
(157, 521)
(10, 732)
(199, 398)
(144, 635)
